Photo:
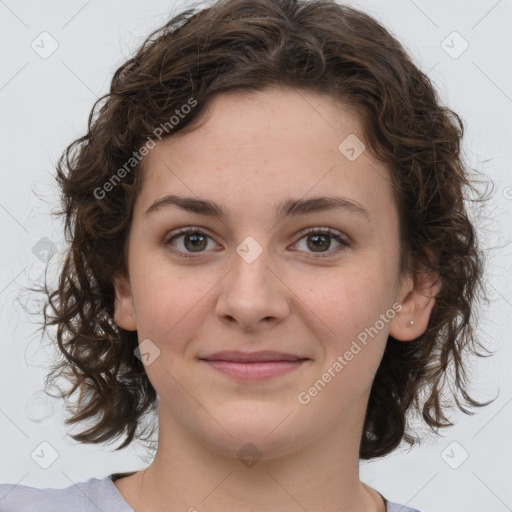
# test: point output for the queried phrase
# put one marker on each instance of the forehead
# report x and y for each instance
(256, 148)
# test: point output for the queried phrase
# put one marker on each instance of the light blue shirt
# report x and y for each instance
(95, 495)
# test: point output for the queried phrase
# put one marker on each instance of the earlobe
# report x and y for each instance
(412, 321)
(124, 311)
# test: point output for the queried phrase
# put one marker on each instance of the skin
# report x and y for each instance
(255, 150)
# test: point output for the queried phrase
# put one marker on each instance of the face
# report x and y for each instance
(308, 282)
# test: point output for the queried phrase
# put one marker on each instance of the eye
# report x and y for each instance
(317, 239)
(194, 240)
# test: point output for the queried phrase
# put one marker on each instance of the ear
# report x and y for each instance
(124, 311)
(417, 300)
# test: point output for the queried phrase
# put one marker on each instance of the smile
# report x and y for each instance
(255, 371)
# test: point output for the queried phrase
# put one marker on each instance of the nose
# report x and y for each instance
(253, 295)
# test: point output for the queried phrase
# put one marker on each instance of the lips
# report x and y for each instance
(254, 366)
(253, 357)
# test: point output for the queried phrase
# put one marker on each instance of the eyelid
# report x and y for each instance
(333, 233)
(186, 230)
(325, 230)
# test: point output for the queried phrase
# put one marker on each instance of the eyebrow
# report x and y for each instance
(288, 207)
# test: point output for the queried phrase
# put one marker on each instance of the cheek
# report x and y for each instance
(165, 301)
(348, 304)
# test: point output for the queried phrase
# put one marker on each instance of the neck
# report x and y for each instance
(190, 474)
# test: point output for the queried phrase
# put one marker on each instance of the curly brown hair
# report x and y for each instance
(316, 45)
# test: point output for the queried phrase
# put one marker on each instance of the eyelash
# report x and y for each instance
(323, 231)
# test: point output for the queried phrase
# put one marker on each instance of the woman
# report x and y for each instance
(269, 246)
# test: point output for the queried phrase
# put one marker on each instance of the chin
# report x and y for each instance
(256, 433)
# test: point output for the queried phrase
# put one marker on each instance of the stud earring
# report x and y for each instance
(411, 322)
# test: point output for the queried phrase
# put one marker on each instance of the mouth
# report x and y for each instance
(261, 356)
(254, 365)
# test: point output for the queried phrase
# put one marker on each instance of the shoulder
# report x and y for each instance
(86, 496)
(391, 506)
(396, 507)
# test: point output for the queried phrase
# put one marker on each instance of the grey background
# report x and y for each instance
(44, 105)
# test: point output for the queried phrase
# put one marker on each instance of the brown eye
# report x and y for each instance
(193, 241)
(319, 240)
